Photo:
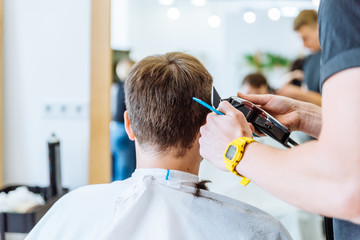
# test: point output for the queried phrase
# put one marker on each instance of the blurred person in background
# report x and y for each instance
(256, 83)
(122, 148)
(306, 26)
(295, 76)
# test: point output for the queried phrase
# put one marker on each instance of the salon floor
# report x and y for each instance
(300, 224)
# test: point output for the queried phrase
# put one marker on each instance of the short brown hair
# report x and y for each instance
(305, 18)
(158, 96)
(255, 80)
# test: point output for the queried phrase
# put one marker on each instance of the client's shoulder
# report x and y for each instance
(239, 216)
(96, 192)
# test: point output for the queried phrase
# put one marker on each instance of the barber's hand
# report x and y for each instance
(219, 131)
(284, 109)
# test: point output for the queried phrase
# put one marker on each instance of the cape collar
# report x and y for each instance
(166, 174)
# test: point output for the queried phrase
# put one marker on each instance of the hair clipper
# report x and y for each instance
(261, 120)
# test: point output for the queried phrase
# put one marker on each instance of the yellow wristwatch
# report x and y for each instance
(233, 155)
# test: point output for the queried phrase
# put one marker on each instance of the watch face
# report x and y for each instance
(231, 152)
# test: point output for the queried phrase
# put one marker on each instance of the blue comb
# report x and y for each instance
(212, 109)
(207, 105)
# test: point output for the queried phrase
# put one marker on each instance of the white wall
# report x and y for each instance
(151, 32)
(46, 61)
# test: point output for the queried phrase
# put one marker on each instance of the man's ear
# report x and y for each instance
(128, 128)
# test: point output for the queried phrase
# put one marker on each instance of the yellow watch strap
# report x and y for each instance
(240, 144)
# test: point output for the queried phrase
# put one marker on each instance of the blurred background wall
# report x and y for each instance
(46, 55)
(149, 29)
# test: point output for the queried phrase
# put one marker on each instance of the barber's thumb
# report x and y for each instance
(226, 108)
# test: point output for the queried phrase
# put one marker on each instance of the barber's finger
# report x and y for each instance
(226, 108)
(252, 127)
(259, 134)
(256, 98)
(210, 116)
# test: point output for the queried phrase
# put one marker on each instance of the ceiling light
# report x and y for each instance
(214, 21)
(274, 14)
(316, 3)
(250, 17)
(198, 2)
(289, 11)
(166, 2)
(173, 13)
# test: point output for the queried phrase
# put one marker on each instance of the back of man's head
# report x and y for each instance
(305, 18)
(158, 96)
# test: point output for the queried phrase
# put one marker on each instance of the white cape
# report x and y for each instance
(154, 204)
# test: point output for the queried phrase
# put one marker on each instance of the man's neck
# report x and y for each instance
(190, 162)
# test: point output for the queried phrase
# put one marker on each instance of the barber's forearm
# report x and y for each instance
(296, 176)
(311, 119)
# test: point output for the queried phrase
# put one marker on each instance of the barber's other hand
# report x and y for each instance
(219, 131)
(284, 109)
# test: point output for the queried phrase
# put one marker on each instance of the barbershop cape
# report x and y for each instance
(156, 204)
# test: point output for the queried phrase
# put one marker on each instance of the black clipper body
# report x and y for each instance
(261, 120)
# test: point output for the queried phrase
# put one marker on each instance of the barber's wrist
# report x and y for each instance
(310, 119)
(234, 154)
(247, 160)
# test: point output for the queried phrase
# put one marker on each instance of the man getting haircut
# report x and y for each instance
(160, 200)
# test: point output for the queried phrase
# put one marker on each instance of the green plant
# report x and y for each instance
(266, 61)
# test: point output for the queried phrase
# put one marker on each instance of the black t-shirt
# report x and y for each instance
(339, 32)
(339, 26)
(312, 71)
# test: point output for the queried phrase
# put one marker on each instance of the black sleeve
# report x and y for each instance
(339, 33)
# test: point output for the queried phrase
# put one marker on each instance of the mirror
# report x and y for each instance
(232, 39)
